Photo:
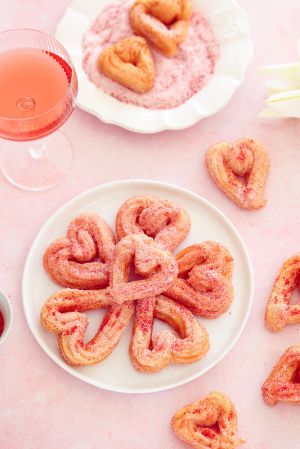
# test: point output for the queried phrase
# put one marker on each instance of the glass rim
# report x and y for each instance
(71, 83)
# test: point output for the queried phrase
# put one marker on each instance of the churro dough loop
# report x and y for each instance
(210, 423)
(240, 170)
(204, 280)
(151, 353)
(82, 259)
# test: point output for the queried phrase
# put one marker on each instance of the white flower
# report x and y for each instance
(283, 89)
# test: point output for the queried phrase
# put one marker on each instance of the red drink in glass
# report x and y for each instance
(38, 88)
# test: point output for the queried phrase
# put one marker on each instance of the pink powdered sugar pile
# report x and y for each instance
(176, 80)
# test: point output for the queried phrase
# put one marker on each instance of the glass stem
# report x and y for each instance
(37, 150)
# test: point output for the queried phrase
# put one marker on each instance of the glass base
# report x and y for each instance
(37, 165)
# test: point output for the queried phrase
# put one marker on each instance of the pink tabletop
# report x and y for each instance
(43, 407)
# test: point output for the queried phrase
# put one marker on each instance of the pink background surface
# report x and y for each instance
(41, 406)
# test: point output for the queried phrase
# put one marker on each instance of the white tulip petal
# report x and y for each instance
(283, 88)
(279, 85)
(282, 71)
(269, 113)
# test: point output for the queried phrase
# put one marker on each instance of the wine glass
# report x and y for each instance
(38, 89)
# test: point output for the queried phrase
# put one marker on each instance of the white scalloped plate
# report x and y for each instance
(230, 26)
(116, 373)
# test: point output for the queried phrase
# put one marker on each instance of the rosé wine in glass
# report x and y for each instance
(38, 88)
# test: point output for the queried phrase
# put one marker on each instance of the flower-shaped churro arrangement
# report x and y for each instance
(210, 423)
(135, 274)
(283, 384)
(240, 170)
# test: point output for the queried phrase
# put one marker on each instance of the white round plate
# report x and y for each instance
(231, 29)
(116, 373)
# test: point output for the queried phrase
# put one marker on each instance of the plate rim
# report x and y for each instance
(166, 124)
(127, 390)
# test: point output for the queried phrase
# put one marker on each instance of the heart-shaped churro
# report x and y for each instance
(82, 259)
(129, 62)
(166, 222)
(240, 170)
(151, 353)
(204, 280)
(156, 267)
(279, 311)
(63, 315)
(210, 423)
(163, 22)
(283, 384)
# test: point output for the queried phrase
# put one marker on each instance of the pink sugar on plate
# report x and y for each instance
(176, 79)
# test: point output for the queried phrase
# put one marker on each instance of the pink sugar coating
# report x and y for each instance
(176, 80)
